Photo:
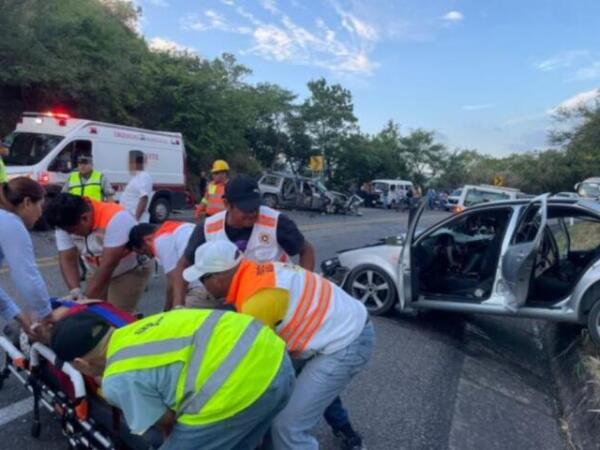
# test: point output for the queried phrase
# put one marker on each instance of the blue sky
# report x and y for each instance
(483, 74)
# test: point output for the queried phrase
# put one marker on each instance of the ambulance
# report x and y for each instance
(45, 147)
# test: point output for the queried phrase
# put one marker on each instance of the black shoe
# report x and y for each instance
(350, 439)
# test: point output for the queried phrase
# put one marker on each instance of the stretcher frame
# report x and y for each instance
(81, 431)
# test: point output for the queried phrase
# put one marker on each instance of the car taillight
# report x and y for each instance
(43, 177)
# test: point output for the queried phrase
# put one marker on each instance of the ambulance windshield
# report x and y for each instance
(26, 149)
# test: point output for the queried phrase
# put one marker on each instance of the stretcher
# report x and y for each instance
(87, 421)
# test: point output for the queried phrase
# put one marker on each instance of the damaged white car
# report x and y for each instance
(537, 258)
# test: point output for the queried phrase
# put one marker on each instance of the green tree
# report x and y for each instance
(424, 157)
(329, 118)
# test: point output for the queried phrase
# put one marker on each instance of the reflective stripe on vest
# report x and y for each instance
(262, 244)
(220, 376)
(214, 198)
(3, 176)
(92, 187)
(310, 300)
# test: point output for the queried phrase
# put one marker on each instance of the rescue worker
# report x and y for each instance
(3, 152)
(212, 202)
(167, 244)
(263, 234)
(99, 232)
(325, 329)
(210, 379)
(21, 202)
(136, 195)
(88, 182)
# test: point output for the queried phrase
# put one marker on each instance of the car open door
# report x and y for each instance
(519, 258)
(408, 291)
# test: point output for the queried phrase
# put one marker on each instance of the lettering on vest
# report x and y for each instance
(149, 325)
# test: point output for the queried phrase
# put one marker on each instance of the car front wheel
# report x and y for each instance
(593, 323)
(373, 287)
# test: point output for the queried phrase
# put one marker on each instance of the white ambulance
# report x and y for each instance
(45, 146)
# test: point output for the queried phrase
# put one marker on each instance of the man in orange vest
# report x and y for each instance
(166, 243)
(326, 330)
(99, 232)
(212, 202)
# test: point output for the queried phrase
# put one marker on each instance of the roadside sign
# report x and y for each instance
(498, 180)
(316, 163)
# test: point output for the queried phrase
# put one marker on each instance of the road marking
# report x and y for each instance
(16, 410)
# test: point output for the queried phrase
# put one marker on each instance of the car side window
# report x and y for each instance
(529, 224)
(66, 160)
(560, 236)
(584, 233)
(270, 180)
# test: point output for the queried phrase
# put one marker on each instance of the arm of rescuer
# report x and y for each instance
(115, 248)
(291, 239)
(68, 258)
(179, 286)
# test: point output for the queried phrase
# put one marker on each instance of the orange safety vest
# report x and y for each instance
(212, 202)
(310, 298)
(102, 213)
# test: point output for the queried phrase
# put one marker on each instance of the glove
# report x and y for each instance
(76, 294)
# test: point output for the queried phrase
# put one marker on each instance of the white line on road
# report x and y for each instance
(16, 410)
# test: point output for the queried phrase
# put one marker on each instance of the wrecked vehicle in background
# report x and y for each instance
(290, 191)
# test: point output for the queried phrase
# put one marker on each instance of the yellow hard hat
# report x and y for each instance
(220, 165)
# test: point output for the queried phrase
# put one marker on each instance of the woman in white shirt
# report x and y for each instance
(21, 202)
(136, 195)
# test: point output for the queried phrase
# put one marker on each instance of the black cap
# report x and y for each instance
(243, 193)
(86, 159)
(78, 334)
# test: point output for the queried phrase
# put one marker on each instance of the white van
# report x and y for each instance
(45, 146)
(382, 187)
(589, 188)
(473, 195)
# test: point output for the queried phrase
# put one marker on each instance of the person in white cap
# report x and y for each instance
(325, 329)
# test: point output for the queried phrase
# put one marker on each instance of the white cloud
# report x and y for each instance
(282, 39)
(358, 27)
(453, 16)
(580, 65)
(270, 6)
(228, 2)
(478, 107)
(159, 44)
(581, 100)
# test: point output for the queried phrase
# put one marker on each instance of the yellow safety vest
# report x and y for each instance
(3, 177)
(92, 187)
(229, 360)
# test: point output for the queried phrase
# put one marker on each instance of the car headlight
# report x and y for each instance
(329, 266)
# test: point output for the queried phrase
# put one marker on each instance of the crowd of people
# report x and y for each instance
(250, 350)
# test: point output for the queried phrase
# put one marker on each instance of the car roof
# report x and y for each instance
(589, 205)
(387, 180)
(288, 175)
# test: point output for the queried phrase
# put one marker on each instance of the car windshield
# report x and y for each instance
(381, 186)
(320, 186)
(456, 193)
(589, 189)
(26, 149)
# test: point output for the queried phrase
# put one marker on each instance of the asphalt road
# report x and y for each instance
(436, 381)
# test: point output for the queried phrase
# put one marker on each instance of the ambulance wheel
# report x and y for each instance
(36, 429)
(160, 210)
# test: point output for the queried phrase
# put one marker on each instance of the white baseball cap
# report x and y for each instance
(213, 257)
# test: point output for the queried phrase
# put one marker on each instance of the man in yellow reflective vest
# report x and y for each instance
(210, 379)
(87, 182)
(3, 152)
(212, 202)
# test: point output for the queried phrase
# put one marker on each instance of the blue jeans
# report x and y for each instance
(246, 429)
(321, 380)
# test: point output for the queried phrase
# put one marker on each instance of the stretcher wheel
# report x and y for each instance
(36, 429)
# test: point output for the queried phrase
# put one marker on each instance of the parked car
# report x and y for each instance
(287, 190)
(589, 188)
(470, 195)
(45, 146)
(382, 187)
(453, 199)
(566, 195)
(537, 258)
